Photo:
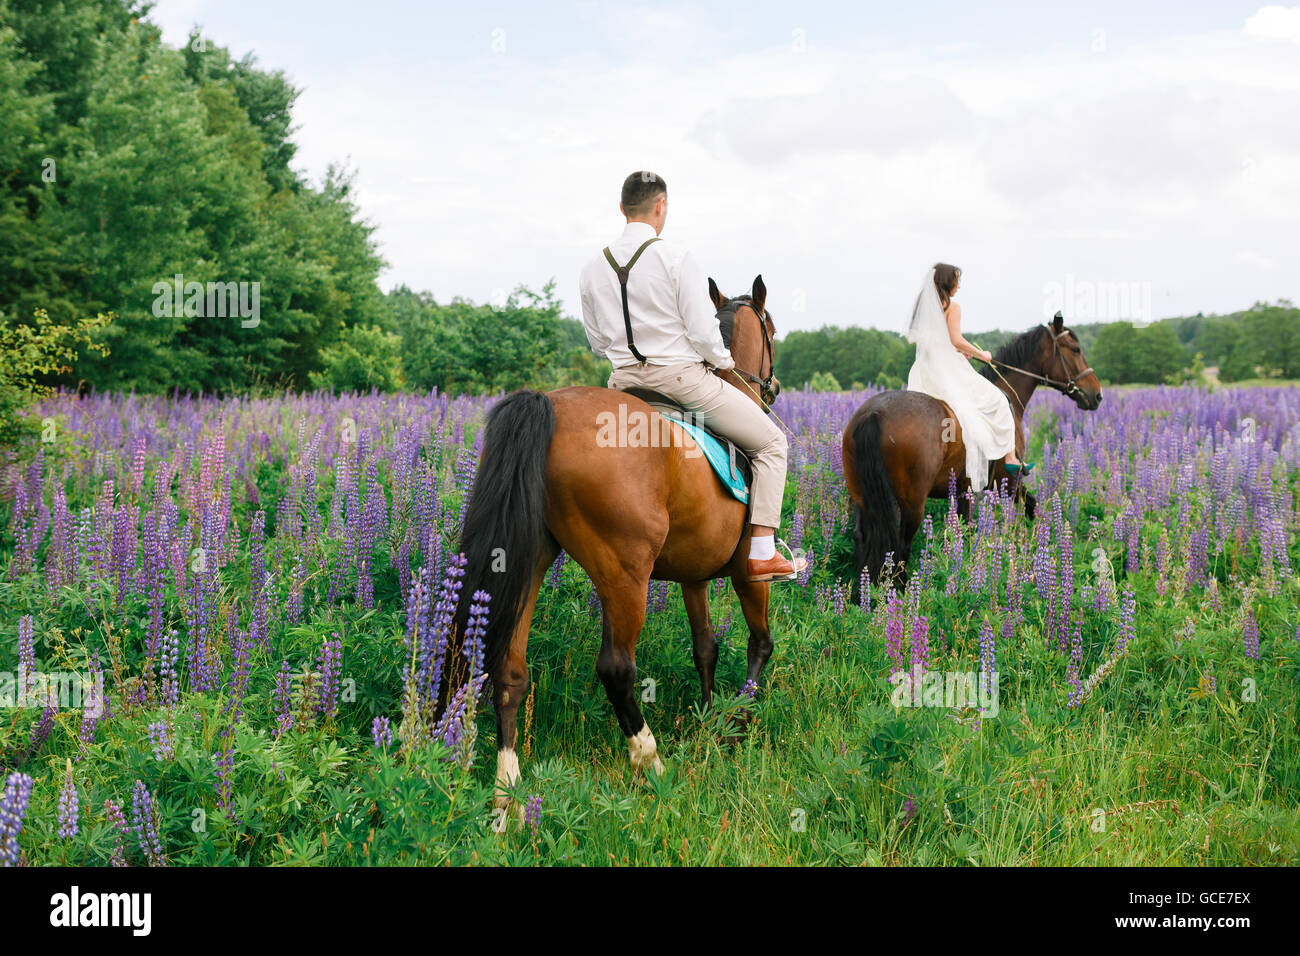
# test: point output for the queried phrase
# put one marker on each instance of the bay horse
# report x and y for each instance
(627, 511)
(900, 447)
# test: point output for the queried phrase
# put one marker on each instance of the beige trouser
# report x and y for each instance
(726, 410)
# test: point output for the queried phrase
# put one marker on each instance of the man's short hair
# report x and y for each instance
(641, 191)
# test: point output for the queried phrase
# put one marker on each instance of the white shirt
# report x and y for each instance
(673, 318)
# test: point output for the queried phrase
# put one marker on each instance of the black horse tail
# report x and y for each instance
(505, 523)
(877, 521)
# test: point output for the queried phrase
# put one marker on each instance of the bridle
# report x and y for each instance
(1069, 387)
(767, 385)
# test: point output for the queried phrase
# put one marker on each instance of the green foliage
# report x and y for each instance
(33, 350)
(364, 357)
(463, 347)
(848, 355)
(824, 382)
(1126, 353)
(128, 163)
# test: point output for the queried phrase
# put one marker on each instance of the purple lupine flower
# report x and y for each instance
(894, 630)
(533, 814)
(169, 680)
(1250, 632)
(68, 806)
(434, 648)
(750, 689)
(1127, 631)
(475, 631)
(328, 660)
(95, 708)
(283, 695)
(920, 647)
(160, 741)
(988, 653)
(144, 819)
(117, 819)
(1076, 662)
(297, 583)
(26, 657)
(13, 810)
(241, 643)
(137, 465)
(556, 574)
(42, 728)
(381, 732)
(909, 809)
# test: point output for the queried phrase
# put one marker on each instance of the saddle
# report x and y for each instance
(730, 463)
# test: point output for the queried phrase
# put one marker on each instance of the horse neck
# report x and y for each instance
(747, 353)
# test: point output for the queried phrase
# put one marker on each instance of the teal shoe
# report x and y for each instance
(1024, 467)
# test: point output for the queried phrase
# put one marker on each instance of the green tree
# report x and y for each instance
(33, 350)
(824, 382)
(364, 357)
(1113, 353)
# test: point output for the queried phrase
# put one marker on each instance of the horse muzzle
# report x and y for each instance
(771, 390)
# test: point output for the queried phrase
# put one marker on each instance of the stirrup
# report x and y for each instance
(797, 560)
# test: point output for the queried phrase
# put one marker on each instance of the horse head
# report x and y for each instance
(1063, 361)
(748, 331)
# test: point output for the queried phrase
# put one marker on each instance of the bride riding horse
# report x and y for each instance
(900, 447)
(628, 513)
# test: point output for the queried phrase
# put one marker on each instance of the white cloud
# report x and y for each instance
(840, 176)
(1279, 23)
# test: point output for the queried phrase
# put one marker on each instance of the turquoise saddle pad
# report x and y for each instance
(717, 455)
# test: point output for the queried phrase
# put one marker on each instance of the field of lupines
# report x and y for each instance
(260, 588)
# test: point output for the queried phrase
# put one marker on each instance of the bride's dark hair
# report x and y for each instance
(945, 280)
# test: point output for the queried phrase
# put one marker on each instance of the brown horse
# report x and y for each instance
(900, 447)
(643, 506)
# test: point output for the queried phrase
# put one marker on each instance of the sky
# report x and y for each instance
(1115, 160)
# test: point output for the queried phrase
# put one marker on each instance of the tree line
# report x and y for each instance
(1260, 342)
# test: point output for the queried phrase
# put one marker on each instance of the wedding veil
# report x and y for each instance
(929, 328)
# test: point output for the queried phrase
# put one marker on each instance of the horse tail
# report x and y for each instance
(505, 523)
(877, 521)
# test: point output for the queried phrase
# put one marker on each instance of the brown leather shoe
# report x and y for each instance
(777, 567)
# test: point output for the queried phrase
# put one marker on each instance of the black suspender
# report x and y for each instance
(622, 282)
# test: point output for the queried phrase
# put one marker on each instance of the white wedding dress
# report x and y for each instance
(988, 428)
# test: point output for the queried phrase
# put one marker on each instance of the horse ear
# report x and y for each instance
(1057, 322)
(758, 295)
(719, 300)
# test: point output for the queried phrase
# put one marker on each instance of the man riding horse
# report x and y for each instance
(657, 327)
(631, 511)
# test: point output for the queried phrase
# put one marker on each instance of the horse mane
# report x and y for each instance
(1016, 352)
(727, 317)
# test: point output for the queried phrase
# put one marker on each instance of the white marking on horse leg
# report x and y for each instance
(507, 775)
(644, 751)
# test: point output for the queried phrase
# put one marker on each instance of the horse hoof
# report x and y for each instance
(504, 807)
